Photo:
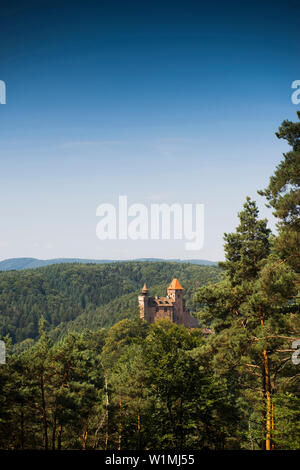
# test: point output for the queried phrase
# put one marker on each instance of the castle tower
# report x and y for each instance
(143, 302)
(175, 292)
(171, 307)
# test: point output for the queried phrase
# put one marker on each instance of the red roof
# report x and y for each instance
(175, 284)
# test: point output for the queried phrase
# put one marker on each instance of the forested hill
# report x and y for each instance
(30, 263)
(77, 296)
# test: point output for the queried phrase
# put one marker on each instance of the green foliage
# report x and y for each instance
(283, 195)
(287, 426)
(136, 386)
(249, 245)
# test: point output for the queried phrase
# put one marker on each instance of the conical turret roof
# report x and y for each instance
(175, 284)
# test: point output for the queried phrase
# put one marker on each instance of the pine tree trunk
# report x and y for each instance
(120, 426)
(267, 392)
(139, 430)
(263, 413)
(106, 413)
(54, 431)
(273, 426)
(181, 425)
(84, 439)
(22, 426)
(59, 437)
(85, 433)
(44, 410)
(268, 401)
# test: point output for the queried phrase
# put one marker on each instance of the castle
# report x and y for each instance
(172, 306)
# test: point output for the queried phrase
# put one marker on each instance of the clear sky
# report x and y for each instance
(165, 102)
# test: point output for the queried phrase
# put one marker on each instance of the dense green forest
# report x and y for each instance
(84, 372)
(77, 296)
(135, 386)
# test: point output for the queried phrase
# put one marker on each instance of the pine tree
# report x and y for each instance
(283, 195)
(245, 309)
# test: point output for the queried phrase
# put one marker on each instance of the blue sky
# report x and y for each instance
(160, 101)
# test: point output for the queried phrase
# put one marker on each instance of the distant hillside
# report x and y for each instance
(77, 296)
(31, 263)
